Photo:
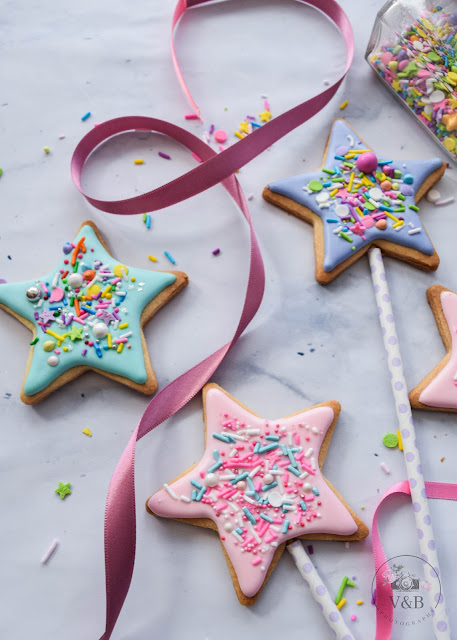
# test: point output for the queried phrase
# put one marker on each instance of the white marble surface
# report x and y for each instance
(60, 60)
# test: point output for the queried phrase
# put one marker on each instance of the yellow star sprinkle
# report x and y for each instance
(265, 116)
(244, 127)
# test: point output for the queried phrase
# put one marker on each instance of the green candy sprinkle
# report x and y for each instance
(390, 440)
(315, 185)
(433, 56)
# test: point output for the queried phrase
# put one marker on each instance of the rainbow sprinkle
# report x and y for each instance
(420, 66)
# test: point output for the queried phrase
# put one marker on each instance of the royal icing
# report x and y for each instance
(442, 390)
(85, 312)
(259, 481)
(360, 201)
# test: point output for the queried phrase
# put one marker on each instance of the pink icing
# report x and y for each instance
(442, 391)
(304, 432)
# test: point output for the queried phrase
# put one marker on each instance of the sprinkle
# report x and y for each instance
(310, 549)
(339, 595)
(86, 116)
(413, 232)
(46, 150)
(344, 104)
(191, 116)
(413, 207)
(242, 476)
(400, 441)
(267, 518)
(359, 602)
(268, 447)
(345, 236)
(120, 347)
(170, 257)
(170, 491)
(385, 468)
(354, 617)
(442, 459)
(87, 432)
(63, 490)
(138, 161)
(152, 258)
(215, 466)
(219, 436)
(88, 310)
(341, 603)
(50, 551)
(34, 341)
(216, 252)
(285, 526)
(440, 203)
(390, 440)
(164, 155)
(249, 515)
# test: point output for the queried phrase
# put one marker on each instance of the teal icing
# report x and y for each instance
(337, 250)
(129, 363)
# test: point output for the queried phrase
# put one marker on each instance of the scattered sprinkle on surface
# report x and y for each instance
(63, 490)
(390, 440)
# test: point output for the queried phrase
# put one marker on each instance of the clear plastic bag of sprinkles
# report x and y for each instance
(413, 50)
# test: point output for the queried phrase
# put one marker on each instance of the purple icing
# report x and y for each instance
(337, 249)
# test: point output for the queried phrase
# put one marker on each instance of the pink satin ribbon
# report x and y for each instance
(218, 167)
(120, 525)
(441, 490)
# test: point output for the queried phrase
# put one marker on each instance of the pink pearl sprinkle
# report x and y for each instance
(353, 617)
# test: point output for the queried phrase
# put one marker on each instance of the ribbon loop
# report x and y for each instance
(384, 621)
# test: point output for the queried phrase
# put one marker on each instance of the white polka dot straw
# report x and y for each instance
(410, 450)
(308, 572)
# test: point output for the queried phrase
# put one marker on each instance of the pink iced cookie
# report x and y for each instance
(259, 484)
(438, 390)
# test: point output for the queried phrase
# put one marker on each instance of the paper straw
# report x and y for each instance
(308, 572)
(410, 450)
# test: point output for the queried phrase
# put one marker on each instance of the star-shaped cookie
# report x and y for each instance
(259, 484)
(357, 200)
(88, 314)
(438, 390)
